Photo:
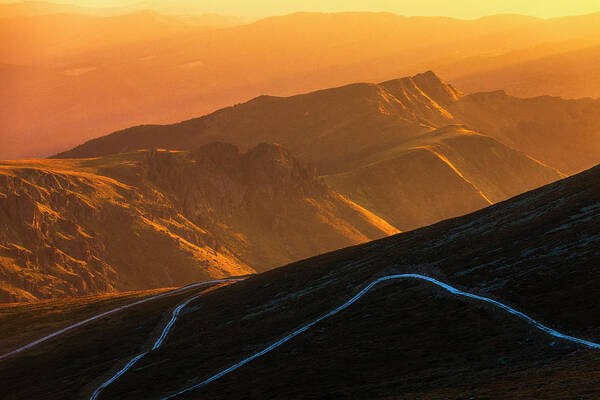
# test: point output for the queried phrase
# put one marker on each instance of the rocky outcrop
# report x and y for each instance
(159, 218)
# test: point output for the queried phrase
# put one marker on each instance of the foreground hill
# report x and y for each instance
(406, 339)
(156, 218)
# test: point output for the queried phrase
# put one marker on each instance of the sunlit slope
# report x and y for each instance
(158, 218)
(442, 174)
(67, 232)
(562, 133)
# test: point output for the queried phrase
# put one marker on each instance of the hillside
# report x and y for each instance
(448, 172)
(178, 69)
(157, 218)
(407, 339)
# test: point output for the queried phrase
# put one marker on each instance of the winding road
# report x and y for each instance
(106, 313)
(347, 304)
(157, 343)
(177, 312)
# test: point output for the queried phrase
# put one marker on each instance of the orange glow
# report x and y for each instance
(261, 8)
(72, 73)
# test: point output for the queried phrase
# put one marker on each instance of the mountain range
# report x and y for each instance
(560, 133)
(73, 77)
(353, 164)
(181, 7)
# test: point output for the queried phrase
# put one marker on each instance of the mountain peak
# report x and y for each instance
(443, 92)
(428, 76)
(427, 83)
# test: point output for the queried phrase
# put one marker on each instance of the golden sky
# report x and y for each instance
(453, 8)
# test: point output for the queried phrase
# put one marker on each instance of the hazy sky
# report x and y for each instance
(453, 8)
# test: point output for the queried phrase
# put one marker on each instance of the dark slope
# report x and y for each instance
(536, 252)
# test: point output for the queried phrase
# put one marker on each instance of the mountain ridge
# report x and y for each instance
(397, 109)
(146, 219)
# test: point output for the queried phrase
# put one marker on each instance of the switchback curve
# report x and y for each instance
(158, 342)
(360, 294)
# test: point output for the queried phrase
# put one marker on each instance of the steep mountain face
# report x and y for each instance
(158, 218)
(404, 339)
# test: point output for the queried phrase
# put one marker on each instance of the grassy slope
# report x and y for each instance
(22, 323)
(102, 346)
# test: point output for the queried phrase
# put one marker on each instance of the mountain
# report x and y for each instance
(560, 133)
(395, 148)
(225, 213)
(311, 125)
(407, 338)
(159, 218)
(180, 72)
